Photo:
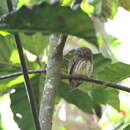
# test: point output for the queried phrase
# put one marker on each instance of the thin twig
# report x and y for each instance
(25, 74)
(21, 73)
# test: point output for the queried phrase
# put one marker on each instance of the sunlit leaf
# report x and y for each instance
(35, 43)
(9, 62)
(105, 9)
(87, 7)
(14, 58)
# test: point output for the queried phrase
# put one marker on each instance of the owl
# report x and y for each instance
(82, 64)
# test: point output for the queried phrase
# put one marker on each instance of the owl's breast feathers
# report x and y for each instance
(81, 63)
(79, 66)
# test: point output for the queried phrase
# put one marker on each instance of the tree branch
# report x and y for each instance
(74, 77)
(52, 80)
(101, 82)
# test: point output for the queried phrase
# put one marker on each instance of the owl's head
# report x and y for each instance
(83, 52)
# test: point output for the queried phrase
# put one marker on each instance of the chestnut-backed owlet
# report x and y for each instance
(81, 63)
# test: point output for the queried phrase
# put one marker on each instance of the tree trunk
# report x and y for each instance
(52, 81)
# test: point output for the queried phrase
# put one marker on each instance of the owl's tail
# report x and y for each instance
(74, 84)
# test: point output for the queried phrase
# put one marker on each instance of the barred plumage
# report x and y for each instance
(81, 63)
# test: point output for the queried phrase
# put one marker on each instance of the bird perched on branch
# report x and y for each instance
(81, 63)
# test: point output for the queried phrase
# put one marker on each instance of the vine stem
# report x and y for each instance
(25, 74)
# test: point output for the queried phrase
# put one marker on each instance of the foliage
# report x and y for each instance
(37, 22)
(125, 4)
(24, 110)
(68, 23)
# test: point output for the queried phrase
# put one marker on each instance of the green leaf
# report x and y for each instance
(80, 99)
(5, 49)
(20, 105)
(6, 65)
(103, 95)
(105, 9)
(26, 2)
(62, 20)
(99, 63)
(86, 7)
(125, 4)
(7, 69)
(21, 109)
(113, 41)
(127, 127)
(7, 84)
(3, 7)
(115, 72)
(35, 43)
(109, 8)
(9, 59)
(111, 73)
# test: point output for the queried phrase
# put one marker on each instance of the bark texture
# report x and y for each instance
(52, 81)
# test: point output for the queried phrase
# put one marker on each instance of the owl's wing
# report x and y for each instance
(73, 83)
(71, 66)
